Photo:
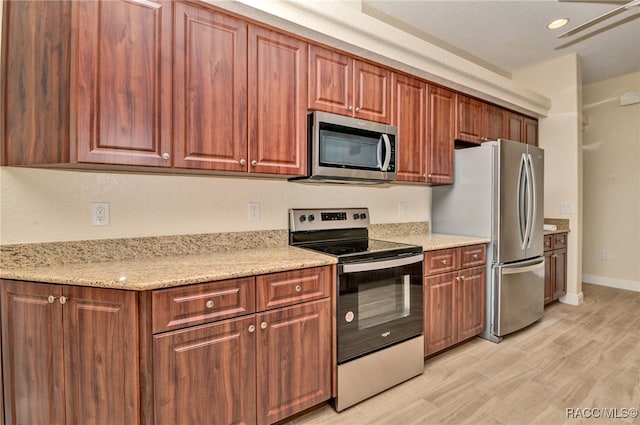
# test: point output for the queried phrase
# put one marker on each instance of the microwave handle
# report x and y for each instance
(387, 156)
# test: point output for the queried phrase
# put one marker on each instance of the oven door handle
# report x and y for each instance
(380, 264)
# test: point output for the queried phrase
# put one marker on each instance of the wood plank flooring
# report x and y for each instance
(577, 357)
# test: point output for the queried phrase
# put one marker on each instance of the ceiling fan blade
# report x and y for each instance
(600, 18)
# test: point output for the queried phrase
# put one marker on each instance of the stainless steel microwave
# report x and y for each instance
(349, 150)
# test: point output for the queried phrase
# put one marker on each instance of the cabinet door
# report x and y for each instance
(410, 117)
(371, 92)
(440, 312)
(330, 85)
(531, 131)
(210, 90)
(514, 126)
(560, 273)
(206, 374)
(469, 125)
(277, 103)
(494, 127)
(101, 356)
(294, 359)
(33, 358)
(549, 276)
(441, 110)
(471, 302)
(123, 90)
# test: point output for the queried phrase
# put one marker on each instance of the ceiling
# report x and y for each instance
(507, 36)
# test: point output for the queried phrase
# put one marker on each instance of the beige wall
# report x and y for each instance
(561, 138)
(612, 184)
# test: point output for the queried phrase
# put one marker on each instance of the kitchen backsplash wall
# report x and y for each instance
(40, 205)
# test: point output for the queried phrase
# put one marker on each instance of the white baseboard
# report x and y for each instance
(572, 299)
(629, 285)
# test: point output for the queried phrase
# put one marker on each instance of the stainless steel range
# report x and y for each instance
(379, 309)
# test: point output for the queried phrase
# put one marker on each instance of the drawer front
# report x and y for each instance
(472, 256)
(440, 261)
(559, 240)
(189, 305)
(548, 242)
(287, 288)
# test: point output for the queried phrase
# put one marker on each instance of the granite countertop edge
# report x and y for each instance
(141, 274)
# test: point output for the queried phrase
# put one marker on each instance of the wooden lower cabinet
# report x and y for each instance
(454, 296)
(70, 354)
(257, 369)
(555, 267)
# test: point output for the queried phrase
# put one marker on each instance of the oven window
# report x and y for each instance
(383, 301)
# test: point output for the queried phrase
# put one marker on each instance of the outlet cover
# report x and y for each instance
(100, 213)
(253, 211)
(566, 208)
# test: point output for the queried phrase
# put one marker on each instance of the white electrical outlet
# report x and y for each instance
(254, 211)
(402, 209)
(100, 213)
(566, 208)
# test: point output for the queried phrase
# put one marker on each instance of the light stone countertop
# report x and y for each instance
(162, 272)
(433, 241)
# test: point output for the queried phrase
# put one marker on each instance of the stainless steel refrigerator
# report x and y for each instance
(498, 194)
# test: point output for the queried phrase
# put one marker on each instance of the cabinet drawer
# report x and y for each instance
(559, 240)
(286, 288)
(194, 304)
(440, 261)
(471, 256)
(548, 242)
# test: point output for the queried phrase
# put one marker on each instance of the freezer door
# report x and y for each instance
(519, 295)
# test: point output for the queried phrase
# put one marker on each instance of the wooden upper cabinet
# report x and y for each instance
(514, 124)
(531, 131)
(441, 133)
(410, 117)
(210, 90)
(122, 63)
(277, 112)
(494, 122)
(343, 85)
(469, 120)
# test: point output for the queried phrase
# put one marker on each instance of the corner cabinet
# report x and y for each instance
(555, 271)
(341, 84)
(454, 296)
(70, 354)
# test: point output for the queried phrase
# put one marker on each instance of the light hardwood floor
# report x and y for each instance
(576, 357)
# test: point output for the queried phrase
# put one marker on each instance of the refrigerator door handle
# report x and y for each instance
(523, 268)
(522, 176)
(534, 201)
(529, 200)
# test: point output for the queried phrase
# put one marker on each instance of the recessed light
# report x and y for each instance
(558, 23)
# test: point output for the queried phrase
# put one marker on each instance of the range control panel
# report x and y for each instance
(325, 219)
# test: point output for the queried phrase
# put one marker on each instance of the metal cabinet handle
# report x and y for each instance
(209, 304)
(429, 175)
(243, 161)
(350, 108)
(166, 156)
(254, 162)
(358, 109)
(475, 256)
(63, 300)
(462, 277)
(298, 288)
(263, 325)
(252, 328)
(51, 299)
(444, 262)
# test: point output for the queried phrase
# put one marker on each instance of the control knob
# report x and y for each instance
(303, 218)
(356, 216)
(311, 217)
(363, 216)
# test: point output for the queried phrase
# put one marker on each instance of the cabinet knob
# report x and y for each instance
(474, 256)
(358, 109)
(51, 299)
(554, 256)
(462, 277)
(263, 325)
(350, 108)
(243, 161)
(209, 304)
(429, 175)
(166, 156)
(252, 328)
(63, 300)
(298, 288)
(254, 162)
(444, 262)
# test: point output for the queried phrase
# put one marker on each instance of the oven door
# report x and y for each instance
(379, 304)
